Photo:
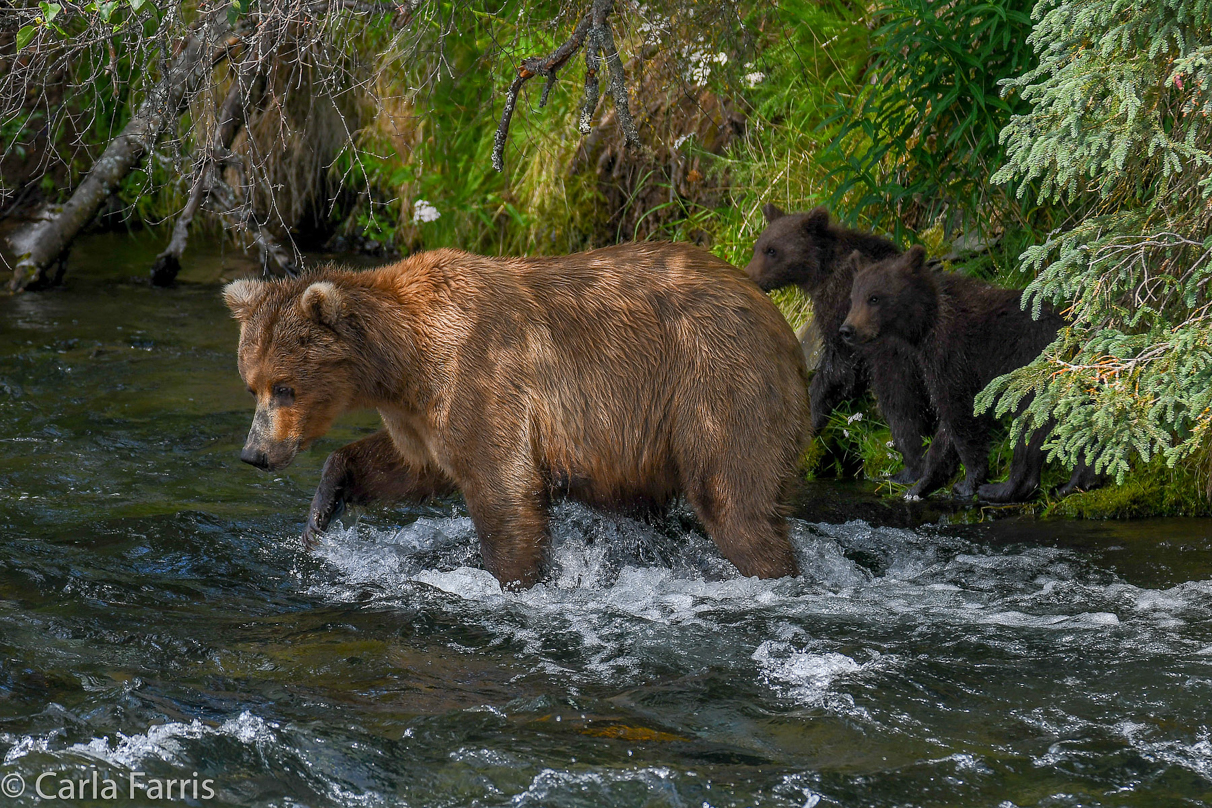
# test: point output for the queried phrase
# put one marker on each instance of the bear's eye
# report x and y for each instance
(771, 251)
(251, 391)
(873, 300)
(284, 393)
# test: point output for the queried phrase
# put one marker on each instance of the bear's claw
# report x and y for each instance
(319, 520)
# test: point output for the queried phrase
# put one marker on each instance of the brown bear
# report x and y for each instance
(621, 377)
(964, 333)
(807, 250)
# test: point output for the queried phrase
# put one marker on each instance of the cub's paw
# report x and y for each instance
(1084, 479)
(1001, 492)
(905, 476)
(964, 489)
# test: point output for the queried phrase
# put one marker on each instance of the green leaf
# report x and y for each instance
(50, 10)
(135, 5)
(25, 35)
(237, 8)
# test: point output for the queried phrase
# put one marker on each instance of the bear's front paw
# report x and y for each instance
(916, 493)
(1002, 492)
(964, 489)
(905, 476)
(318, 520)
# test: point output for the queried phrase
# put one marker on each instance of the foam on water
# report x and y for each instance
(164, 741)
(630, 598)
(653, 781)
(805, 677)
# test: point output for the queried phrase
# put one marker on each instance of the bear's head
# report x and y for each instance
(792, 249)
(893, 298)
(295, 357)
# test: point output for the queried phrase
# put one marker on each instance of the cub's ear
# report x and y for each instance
(816, 220)
(856, 261)
(915, 258)
(243, 297)
(322, 303)
(772, 212)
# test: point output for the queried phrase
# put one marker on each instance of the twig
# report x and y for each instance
(618, 84)
(247, 90)
(594, 30)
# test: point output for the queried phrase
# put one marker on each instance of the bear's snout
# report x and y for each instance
(848, 333)
(271, 458)
(261, 450)
(255, 457)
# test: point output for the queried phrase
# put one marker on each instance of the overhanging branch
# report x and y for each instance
(594, 32)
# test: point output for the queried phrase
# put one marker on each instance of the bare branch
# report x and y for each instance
(593, 31)
(618, 81)
(247, 90)
(531, 67)
(43, 243)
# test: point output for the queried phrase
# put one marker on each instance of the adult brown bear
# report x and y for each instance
(621, 377)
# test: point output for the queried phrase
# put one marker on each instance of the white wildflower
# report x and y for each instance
(858, 416)
(423, 211)
(755, 78)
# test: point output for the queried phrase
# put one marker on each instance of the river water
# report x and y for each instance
(158, 617)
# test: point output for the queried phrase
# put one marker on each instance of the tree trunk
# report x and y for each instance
(247, 91)
(43, 243)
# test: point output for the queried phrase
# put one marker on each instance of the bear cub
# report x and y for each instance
(807, 250)
(622, 377)
(963, 333)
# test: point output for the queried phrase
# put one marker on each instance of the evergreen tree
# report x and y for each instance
(1119, 125)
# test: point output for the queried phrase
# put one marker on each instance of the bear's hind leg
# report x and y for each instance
(1025, 467)
(365, 471)
(1084, 478)
(748, 529)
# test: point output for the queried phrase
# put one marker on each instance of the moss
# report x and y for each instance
(1150, 491)
(856, 443)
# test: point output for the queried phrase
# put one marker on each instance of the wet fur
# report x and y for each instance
(813, 253)
(621, 377)
(964, 333)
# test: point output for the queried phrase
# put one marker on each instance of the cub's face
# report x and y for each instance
(889, 299)
(294, 363)
(789, 250)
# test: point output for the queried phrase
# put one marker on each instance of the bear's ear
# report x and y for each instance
(915, 259)
(322, 303)
(816, 220)
(772, 212)
(856, 261)
(243, 297)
